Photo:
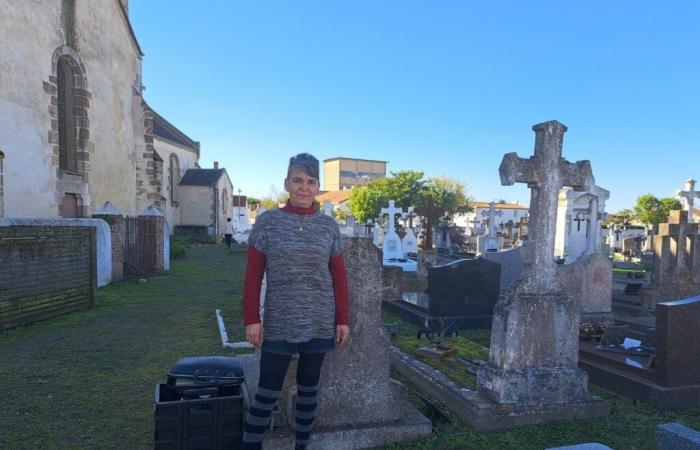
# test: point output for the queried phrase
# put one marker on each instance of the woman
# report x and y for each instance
(306, 300)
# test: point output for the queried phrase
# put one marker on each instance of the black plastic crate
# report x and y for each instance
(198, 418)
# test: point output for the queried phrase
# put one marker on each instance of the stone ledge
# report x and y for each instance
(413, 426)
(674, 436)
(484, 414)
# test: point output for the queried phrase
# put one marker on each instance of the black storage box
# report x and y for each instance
(201, 406)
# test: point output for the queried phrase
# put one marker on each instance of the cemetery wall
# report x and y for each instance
(46, 271)
(32, 35)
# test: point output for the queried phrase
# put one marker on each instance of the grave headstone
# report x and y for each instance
(676, 272)
(580, 217)
(360, 406)
(667, 372)
(430, 212)
(391, 246)
(464, 287)
(687, 197)
(534, 339)
(491, 243)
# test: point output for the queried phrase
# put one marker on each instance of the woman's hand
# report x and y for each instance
(342, 332)
(254, 334)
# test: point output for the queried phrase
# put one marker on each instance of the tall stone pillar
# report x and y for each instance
(115, 220)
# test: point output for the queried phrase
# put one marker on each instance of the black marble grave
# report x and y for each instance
(668, 378)
(460, 295)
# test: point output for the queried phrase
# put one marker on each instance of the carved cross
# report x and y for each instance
(410, 215)
(392, 210)
(491, 214)
(578, 221)
(545, 173)
(687, 197)
(429, 211)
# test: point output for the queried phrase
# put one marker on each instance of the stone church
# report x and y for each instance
(75, 130)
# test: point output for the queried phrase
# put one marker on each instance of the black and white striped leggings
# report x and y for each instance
(273, 368)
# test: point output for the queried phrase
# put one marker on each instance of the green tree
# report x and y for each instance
(408, 188)
(448, 194)
(650, 210)
(366, 201)
(252, 201)
(621, 217)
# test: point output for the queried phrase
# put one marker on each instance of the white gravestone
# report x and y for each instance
(687, 198)
(580, 216)
(409, 243)
(391, 246)
(328, 208)
(377, 235)
(491, 243)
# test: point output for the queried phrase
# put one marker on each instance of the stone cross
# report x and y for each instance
(391, 211)
(578, 220)
(687, 197)
(368, 228)
(410, 215)
(545, 173)
(491, 214)
(679, 231)
(429, 211)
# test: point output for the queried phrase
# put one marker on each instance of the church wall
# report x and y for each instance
(28, 40)
(187, 160)
(113, 72)
(224, 184)
(196, 205)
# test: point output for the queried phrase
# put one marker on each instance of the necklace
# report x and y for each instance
(301, 220)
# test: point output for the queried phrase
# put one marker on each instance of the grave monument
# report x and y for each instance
(687, 197)
(533, 361)
(676, 272)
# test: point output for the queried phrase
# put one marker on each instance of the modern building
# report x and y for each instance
(344, 173)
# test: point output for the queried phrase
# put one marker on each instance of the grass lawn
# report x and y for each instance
(86, 380)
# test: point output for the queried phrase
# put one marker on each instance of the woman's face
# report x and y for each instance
(302, 188)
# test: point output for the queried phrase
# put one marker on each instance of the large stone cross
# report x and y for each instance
(687, 197)
(491, 214)
(545, 173)
(392, 210)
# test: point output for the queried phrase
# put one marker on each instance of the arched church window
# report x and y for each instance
(174, 177)
(2, 204)
(67, 142)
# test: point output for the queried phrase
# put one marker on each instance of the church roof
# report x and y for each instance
(168, 132)
(201, 177)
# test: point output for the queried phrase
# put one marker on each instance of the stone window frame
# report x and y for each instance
(174, 178)
(80, 105)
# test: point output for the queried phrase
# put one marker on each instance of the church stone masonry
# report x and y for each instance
(76, 131)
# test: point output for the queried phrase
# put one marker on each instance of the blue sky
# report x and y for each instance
(445, 87)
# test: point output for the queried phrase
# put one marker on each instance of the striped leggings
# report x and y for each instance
(273, 368)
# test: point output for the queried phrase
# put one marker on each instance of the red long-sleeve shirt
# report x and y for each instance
(255, 270)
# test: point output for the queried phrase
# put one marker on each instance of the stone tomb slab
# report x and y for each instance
(484, 414)
(674, 380)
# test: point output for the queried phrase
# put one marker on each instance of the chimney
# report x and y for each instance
(216, 164)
